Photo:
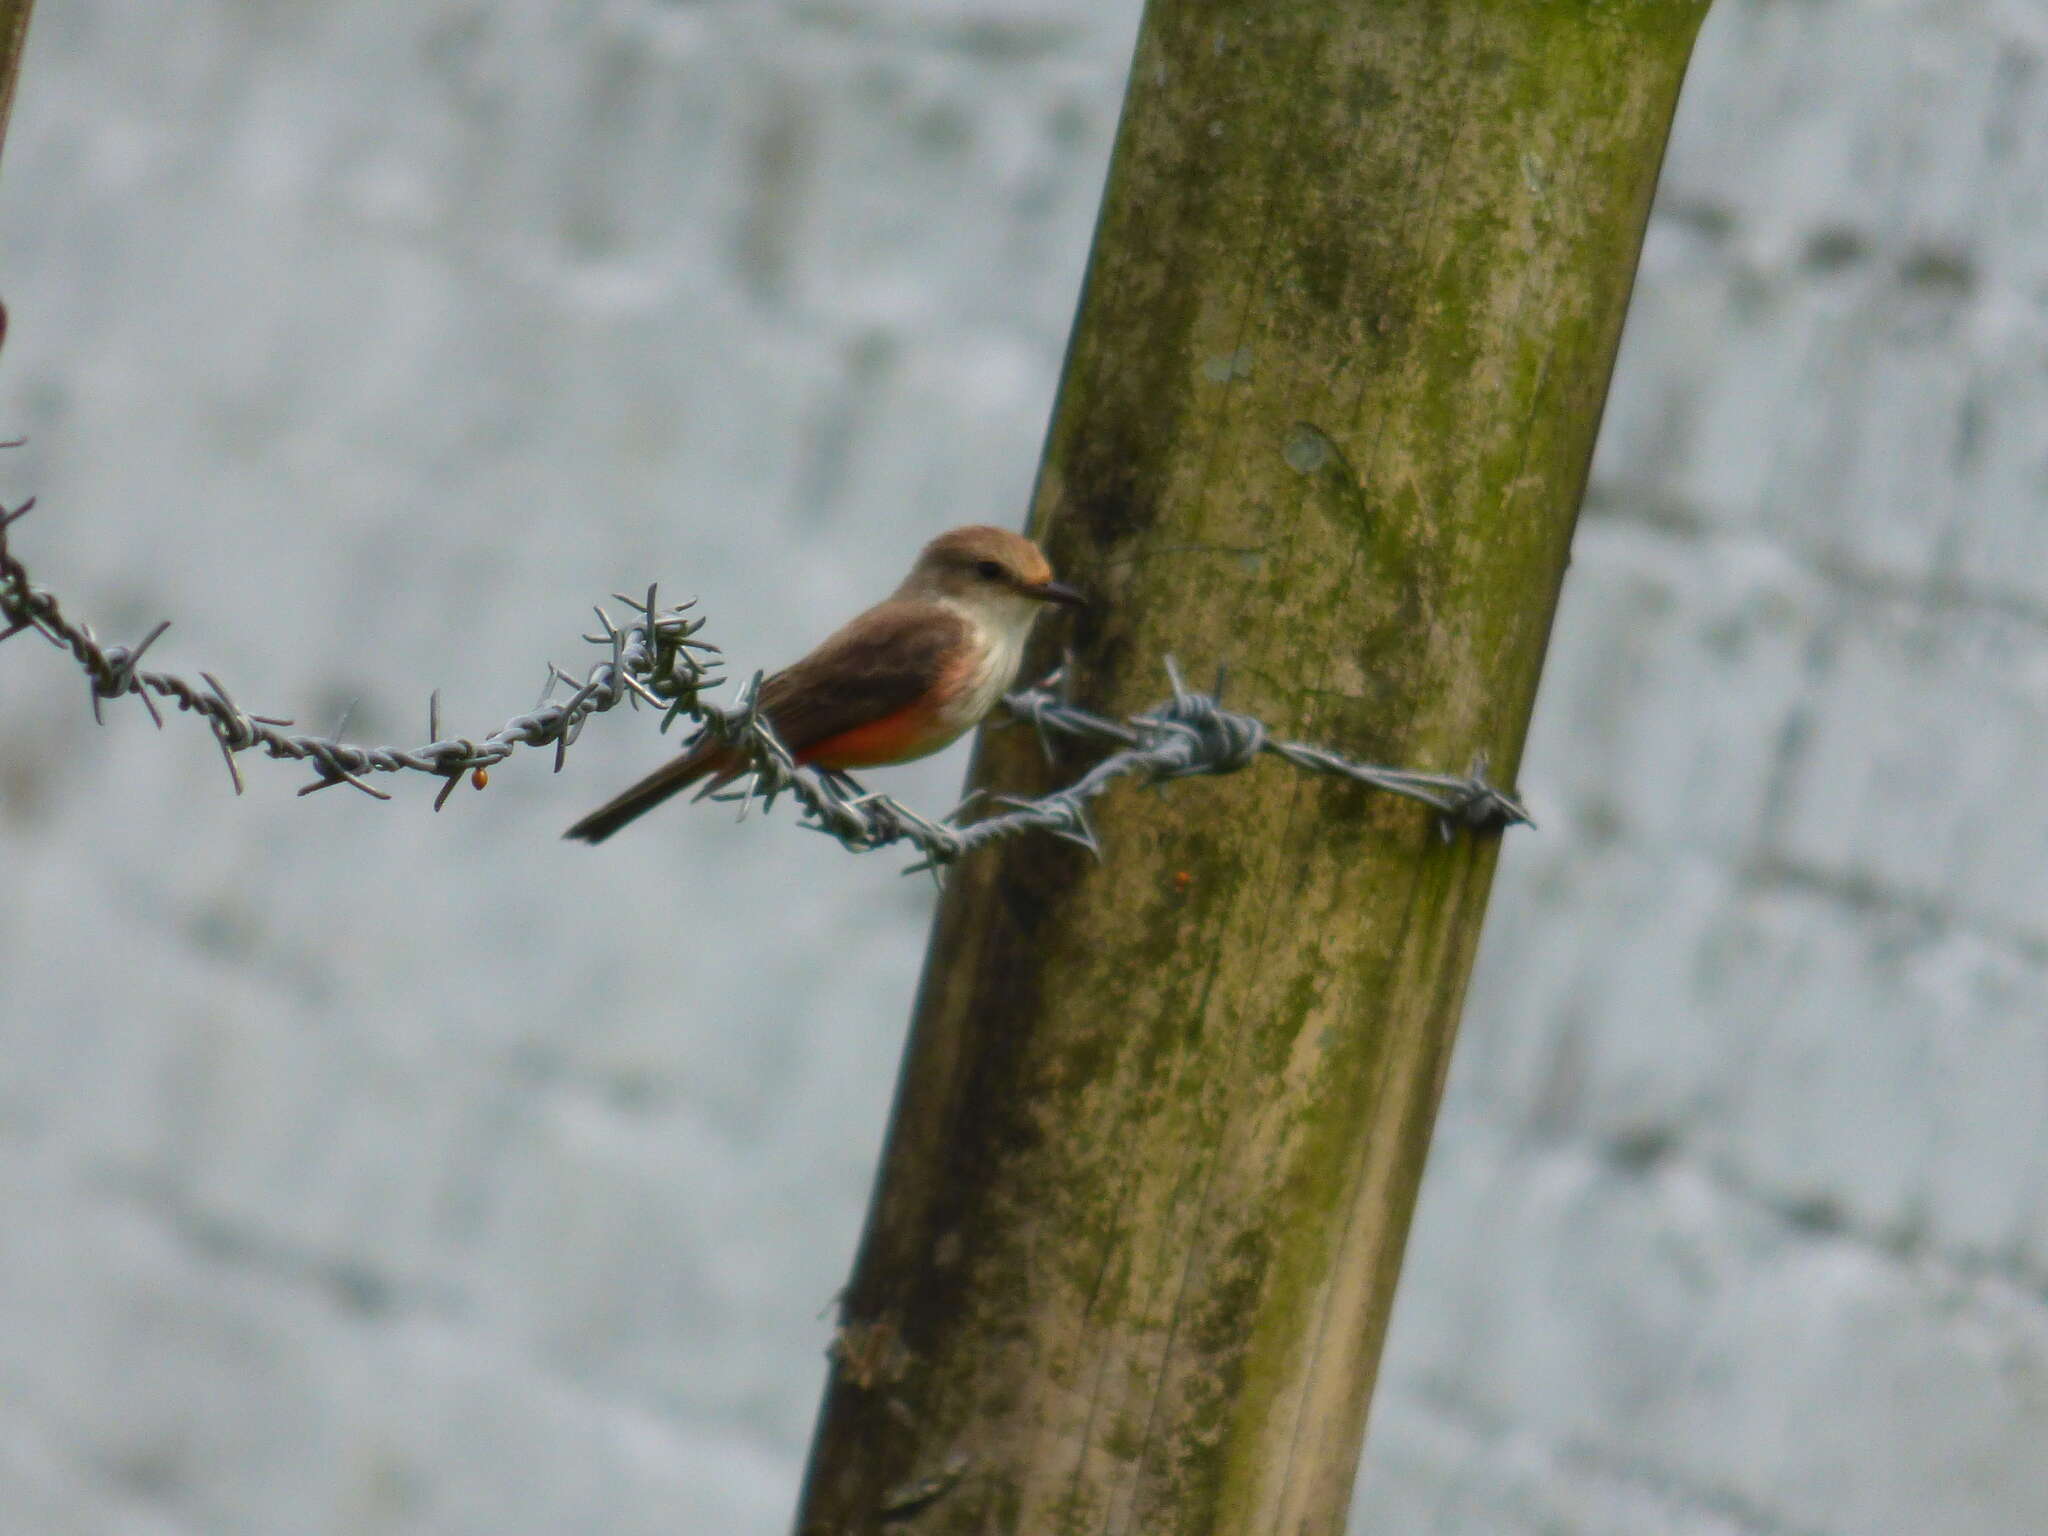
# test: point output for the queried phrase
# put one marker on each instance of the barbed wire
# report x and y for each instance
(655, 658)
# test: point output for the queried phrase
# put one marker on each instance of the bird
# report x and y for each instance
(900, 681)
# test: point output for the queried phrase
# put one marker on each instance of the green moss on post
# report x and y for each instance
(14, 16)
(1326, 418)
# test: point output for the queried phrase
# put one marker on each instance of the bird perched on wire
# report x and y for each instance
(902, 680)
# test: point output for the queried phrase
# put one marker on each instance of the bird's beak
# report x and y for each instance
(1057, 592)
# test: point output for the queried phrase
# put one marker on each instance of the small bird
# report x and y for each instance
(901, 681)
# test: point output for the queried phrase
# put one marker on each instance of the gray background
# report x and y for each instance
(363, 1170)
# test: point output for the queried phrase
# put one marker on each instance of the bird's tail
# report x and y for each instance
(709, 756)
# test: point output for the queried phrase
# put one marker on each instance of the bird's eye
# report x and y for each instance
(988, 570)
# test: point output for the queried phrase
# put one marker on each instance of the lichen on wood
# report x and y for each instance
(1326, 418)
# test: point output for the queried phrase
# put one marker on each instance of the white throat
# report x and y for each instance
(1002, 626)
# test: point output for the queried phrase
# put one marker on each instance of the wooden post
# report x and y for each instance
(14, 16)
(1326, 417)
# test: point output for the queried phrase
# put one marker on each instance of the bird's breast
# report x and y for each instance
(986, 671)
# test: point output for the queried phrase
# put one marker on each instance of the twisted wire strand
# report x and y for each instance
(655, 658)
(1192, 733)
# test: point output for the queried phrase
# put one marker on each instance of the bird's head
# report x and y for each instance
(998, 575)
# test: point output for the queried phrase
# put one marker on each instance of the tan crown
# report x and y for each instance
(977, 561)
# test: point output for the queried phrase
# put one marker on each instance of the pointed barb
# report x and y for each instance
(1078, 831)
(222, 697)
(1082, 839)
(228, 754)
(156, 634)
(366, 786)
(336, 774)
(967, 802)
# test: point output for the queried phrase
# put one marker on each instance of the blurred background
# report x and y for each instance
(363, 1170)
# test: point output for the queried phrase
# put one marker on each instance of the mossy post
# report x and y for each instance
(1326, 419)
(14, 16)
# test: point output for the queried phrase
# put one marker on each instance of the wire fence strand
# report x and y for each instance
(655, 657)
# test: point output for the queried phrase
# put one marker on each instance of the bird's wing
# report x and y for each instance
(893, 657)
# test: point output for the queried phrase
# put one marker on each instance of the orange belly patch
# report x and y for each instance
(896, 738)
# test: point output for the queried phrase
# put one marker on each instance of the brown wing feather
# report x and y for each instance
(701, 759)
(884, 661)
